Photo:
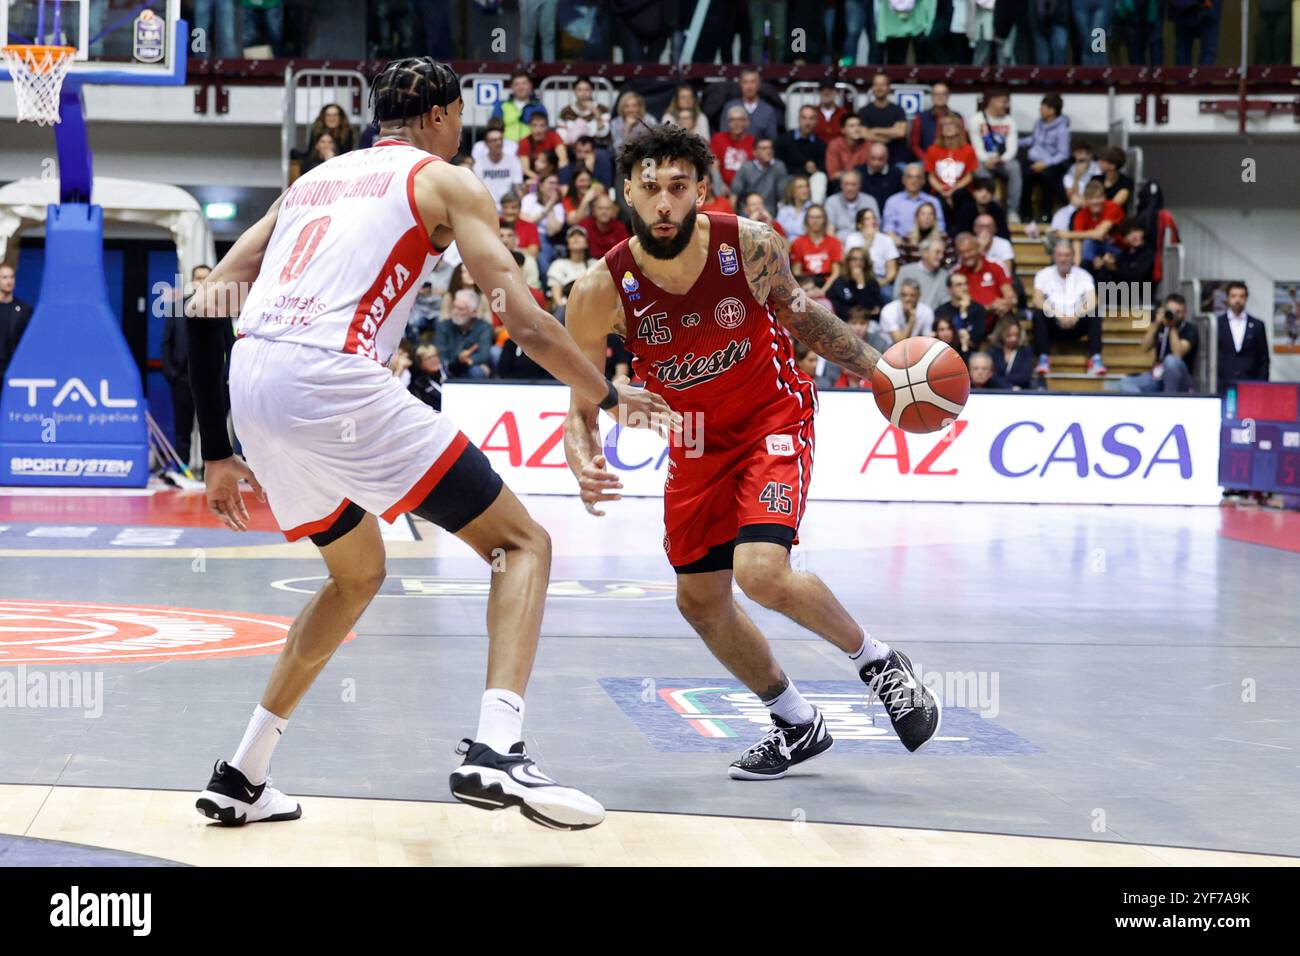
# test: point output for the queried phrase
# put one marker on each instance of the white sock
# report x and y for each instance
(871, 650)
(500, 720)
(790, 706)
(254, 754)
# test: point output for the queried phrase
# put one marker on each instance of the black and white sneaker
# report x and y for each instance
(232, 801)
(784, 746)
(912, 707)
(493, 781)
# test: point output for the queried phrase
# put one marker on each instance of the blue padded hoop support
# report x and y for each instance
(72, 406)
(72, 412)
(73, 147)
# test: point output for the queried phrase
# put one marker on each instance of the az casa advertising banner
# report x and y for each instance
(1038, 448)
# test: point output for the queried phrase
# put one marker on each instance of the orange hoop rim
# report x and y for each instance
(34, 54)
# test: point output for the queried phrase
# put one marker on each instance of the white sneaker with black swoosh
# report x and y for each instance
(784, 745)
(232, 801)
(494, 781)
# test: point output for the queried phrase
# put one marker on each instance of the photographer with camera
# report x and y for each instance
(1173, 339)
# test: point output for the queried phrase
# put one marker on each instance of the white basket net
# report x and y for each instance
(38, 73)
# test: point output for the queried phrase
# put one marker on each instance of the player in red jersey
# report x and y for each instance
(707, 305)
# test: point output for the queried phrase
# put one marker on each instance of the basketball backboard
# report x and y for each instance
(117, 41)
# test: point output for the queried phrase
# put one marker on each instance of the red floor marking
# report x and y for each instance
(49, 632)
(1273, 529)
(171, 509)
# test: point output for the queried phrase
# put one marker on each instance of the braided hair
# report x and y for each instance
(412, 86)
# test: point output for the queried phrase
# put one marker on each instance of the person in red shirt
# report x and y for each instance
(950, 162)
(530, 243)
(849, 149)
(925, 128)
(604, 229)
(830, 112)
(1095, 228)
(539, 139)
(816, 255)
(988, 282)
(732, 148)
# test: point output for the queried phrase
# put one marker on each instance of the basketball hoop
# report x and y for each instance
(38, 73)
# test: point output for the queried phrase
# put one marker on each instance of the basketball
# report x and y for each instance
(921, 384)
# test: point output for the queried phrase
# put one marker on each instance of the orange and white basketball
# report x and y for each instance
(921, 384)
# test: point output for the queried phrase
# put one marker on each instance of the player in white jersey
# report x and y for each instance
(333, 440)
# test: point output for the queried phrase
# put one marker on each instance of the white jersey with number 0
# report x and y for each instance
(346, 256)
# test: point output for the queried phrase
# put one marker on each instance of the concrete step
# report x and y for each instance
(1068, 382)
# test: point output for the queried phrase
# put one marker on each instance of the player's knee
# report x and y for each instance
(698, 609)
(361, 585)
(529, 539)
(537, 541)
(764, 582)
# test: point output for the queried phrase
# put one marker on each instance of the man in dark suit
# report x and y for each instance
(1243, 342)
(175, 357)
(14, 316)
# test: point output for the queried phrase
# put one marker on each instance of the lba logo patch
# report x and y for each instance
(730, 313)
(728, 262)
(50, 632)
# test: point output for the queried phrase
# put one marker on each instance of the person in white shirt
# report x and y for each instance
(907, 315)
(498, 171)
(881, 248)
(1065, 306)
(564, 271)
(544, 207)
(994, 247)
(584, 116)
(479, 150)
(994, 138)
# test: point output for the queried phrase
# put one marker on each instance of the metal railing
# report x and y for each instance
(306, 93)
(556, 92)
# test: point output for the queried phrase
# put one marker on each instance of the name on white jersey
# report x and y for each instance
(325, 191)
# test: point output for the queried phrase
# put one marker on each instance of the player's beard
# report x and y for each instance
(664, 248)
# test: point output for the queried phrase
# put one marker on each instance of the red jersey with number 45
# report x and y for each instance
(714, 350)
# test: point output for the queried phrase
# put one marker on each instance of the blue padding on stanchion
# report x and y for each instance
(72, 410)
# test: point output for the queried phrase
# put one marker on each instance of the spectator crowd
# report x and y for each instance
(844, 32)
(901, 226)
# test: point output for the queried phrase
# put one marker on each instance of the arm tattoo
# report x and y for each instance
(767, 267)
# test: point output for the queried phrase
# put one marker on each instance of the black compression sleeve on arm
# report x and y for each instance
(207, 382)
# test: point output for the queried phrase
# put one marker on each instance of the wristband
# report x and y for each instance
(611, 400)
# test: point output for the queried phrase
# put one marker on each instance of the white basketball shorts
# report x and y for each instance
(323, 429)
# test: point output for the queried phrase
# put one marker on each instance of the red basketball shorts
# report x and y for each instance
(710, 497)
